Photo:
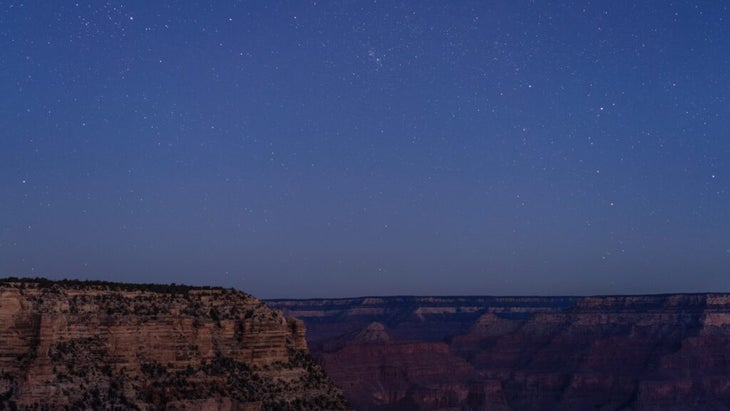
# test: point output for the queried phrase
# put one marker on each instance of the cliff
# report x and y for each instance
(80, 345)
(655, 352)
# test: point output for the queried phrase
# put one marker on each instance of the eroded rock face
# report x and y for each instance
(400, 375)
(654, 352)
(77, 345)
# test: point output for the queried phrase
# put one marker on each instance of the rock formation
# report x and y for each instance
(82, 345)
(656, 352)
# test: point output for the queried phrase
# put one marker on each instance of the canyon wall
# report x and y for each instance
(655, 352)
(78, 345)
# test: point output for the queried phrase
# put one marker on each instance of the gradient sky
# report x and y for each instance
(344, 148)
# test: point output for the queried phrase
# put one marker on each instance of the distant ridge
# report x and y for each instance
(632, 352)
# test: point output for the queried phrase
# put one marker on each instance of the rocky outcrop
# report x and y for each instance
(396, 374)
(483, 353)
(79, 345)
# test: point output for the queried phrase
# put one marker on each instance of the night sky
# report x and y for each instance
(302, 149)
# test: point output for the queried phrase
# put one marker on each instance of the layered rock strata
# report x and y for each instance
(656, 352)
(79, 345)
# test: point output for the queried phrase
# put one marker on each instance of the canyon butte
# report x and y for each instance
(652, 352)
(73, 345)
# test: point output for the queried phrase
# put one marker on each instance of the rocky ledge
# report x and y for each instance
(74, 345)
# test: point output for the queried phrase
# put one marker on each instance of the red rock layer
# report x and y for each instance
(616, 352)
(66, 345)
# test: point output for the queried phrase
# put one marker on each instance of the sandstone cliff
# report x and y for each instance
(656, 352)
(79, 345)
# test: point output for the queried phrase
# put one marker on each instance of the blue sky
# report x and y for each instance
(301, 149)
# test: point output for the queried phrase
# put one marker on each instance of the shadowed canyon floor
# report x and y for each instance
(654, 352)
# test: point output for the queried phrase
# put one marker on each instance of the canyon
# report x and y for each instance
(637, 352)
(73, 345)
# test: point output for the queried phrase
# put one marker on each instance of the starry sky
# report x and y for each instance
(345, 148)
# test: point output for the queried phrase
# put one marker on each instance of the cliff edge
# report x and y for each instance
(94, 345)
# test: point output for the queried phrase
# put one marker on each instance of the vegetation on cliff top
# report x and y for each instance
(41, 282)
